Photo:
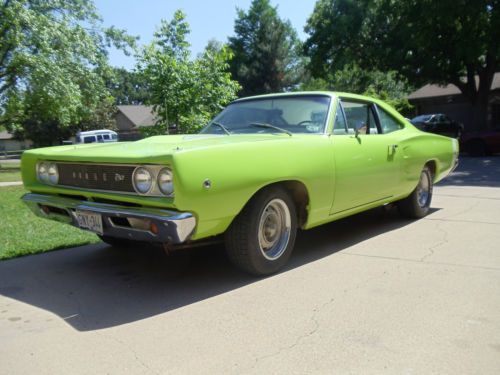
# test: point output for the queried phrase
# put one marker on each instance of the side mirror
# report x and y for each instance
(358, 127)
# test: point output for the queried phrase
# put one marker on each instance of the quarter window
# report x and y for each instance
(387, 122)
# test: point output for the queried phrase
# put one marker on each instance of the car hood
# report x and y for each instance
(153, 149)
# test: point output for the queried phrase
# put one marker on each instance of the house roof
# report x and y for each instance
(432, 91)
(139, 115)
(5, 135)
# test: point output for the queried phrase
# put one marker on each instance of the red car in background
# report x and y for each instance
(481, 143)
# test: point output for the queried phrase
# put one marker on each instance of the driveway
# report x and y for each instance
(369, 294)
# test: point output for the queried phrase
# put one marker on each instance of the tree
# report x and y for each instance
(185, 92)
(388, 86)
(127, 87)
(53, 66)
(441, 42)
(267, 52)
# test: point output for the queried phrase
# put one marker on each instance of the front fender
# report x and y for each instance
(235, 172)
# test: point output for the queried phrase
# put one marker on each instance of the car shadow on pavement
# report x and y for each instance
(96, 287)
(475, 171)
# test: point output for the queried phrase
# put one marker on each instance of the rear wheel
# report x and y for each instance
(261, 238)
(418, 203)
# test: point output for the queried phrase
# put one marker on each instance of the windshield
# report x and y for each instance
(293, 114)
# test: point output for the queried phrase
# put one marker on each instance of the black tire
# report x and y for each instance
(417, 204)
(117, 242)
(246, 249)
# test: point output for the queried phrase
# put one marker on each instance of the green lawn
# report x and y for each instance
(22, 233)
(9, 171)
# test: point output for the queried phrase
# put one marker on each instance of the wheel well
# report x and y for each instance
(300, 196)
(432, 166)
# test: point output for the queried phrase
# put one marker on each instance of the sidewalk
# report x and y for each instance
(15, 183)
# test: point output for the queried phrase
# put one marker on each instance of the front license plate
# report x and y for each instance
(89, 220)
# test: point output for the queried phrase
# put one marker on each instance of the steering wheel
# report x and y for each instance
(305, 122)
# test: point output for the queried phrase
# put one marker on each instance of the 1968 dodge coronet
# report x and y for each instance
(261, 169)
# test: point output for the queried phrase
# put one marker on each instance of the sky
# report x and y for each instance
(208, 19)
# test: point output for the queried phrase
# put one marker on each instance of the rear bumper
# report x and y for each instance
(171, 227)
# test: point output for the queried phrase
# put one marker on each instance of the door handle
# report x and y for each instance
(392, 149)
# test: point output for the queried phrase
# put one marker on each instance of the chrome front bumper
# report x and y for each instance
(133, 223)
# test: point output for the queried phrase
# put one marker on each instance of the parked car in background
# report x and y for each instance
(260, 170)
(481, 143)
(438, 123)
(99, 136)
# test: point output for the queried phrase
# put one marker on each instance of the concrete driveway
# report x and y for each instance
(369, 294)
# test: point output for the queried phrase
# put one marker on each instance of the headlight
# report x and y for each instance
(42, 172)
(53, 173)
(165, 181)
(143, 180)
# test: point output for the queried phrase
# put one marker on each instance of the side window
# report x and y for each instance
(105, 137)
(89, 139)
(339, 127)
(99, 138)
(387, 122)
(360, 116)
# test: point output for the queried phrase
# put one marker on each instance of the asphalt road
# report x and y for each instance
(365, 295)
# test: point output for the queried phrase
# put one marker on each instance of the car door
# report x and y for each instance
(367, 161)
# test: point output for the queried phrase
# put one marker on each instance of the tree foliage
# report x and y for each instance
(127, 88)
(388, 86)
(185, 92)
(446, 41)
(267, 52)
(53, 66)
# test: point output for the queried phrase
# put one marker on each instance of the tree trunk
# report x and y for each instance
(480, 110)
(479, 97)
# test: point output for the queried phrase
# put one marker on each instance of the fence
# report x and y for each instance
(16, 154)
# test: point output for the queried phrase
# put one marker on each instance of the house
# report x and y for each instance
(9, 144)
(130, 118)
(450, 101)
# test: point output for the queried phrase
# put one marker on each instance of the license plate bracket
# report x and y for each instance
(90, 221)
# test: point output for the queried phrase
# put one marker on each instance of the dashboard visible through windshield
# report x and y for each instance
(292, 114)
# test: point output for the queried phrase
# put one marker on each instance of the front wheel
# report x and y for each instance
(418, 203)
(261, 238)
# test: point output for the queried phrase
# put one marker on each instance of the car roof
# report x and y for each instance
(95, 132)
(331, 94)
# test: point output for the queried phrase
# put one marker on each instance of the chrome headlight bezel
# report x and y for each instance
(42, 172)
(149, 184)
(165, 181)
(47, 172)
(53, 173)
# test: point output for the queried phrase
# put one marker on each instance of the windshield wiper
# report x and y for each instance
(220, 126)
(264, 125)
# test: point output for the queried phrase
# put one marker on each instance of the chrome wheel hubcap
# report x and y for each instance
(423, 190)
(274, 229)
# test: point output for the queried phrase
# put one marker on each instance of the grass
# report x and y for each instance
(22, 233)
(10, 172)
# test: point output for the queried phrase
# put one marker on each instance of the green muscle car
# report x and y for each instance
(264, 167)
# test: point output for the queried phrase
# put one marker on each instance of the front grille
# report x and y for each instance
(97, 176)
